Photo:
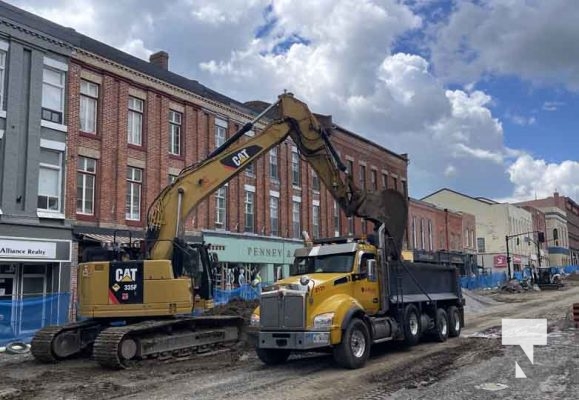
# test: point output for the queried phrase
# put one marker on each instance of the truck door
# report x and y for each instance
(365, 291)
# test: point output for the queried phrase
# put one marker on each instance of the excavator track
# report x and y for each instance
(55, 343)
(126, 346)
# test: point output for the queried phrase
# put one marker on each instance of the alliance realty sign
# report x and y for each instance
(27, 249)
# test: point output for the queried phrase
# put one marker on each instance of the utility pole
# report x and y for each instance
(508, 258)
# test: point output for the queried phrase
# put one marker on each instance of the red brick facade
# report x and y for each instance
(114, 155)
(432, 229)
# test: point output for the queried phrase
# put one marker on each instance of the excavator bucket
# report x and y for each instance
(388, 207)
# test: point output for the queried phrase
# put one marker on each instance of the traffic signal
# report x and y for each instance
(541, 237)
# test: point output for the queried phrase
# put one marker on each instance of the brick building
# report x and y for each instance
(133, 125)
(434, 230)
(561, 227)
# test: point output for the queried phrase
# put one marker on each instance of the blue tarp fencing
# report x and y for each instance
(20, 319)
(244, 292)
(496, 279)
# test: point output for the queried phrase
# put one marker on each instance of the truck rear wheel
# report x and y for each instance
(273, 356)
(354, 349)
(454, 323)
(440, 325)
(411, 324)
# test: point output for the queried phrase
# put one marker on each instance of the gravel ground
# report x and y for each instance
(454, 369)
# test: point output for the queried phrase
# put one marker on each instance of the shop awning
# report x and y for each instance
(123, 240)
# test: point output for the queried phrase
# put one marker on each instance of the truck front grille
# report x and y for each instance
(282, 311)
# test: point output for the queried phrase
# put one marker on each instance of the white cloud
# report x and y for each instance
(552, 105)
(537, 177)
(520, 119)
(533, 40)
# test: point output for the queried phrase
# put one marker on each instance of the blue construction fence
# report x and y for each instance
(496, 279)
(20, 319)
(244, 292)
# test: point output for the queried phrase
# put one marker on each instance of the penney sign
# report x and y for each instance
(27, 249)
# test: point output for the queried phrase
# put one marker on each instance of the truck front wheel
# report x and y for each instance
(273, 356)
(354, 349)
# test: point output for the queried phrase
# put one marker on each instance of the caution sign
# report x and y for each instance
(126, 282)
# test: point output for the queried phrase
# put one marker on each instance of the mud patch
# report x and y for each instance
(236, 307)
(435, 367)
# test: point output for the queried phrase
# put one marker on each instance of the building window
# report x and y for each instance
(362, 177)
(89, 94)
(385, 181)
(472, 238)
(220, 207)
(373, 180)
(405, 188)
(2, 76)
(430, 243)
(422, 232)
(249, 211)
(395, 181)
(315, 182)
(175, 119)
(85, 185)
(336, 219)
(53, 95)
(50, 181)
(296, 217)
(220, 132)
(172, 178)
(134, 184)
(296, 169)
(316, 221)
(274, 215)
(135, 121)
(364, 226)
(556, 236)
(273, 164)
(250, 169)
(350, 167)
(414, 238)
(480, 242)
(350, 225)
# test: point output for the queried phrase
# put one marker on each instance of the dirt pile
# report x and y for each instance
(236, 307)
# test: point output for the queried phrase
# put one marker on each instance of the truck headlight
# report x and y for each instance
(323, 321)
(254, 320)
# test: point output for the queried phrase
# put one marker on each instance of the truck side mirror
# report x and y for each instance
(372, 270)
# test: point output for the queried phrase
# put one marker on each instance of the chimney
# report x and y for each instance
(160, 59)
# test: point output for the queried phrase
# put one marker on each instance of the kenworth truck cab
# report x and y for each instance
(347, 294)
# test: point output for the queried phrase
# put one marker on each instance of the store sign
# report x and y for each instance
(267, 252)
(252, 250)
(500, 261)
(27, 249)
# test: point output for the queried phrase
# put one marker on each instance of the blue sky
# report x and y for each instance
(481, 94)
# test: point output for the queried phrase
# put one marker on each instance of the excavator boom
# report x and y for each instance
(293, 118)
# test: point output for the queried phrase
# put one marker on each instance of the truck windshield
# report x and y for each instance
(328, 263)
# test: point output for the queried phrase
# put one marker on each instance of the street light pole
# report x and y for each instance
(508, 258)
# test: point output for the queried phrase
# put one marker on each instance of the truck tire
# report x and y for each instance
(354, 350)
(440, 332)
(411, 325)
(273, 356)
(454, 324)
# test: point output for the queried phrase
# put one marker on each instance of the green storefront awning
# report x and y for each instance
(243, 249)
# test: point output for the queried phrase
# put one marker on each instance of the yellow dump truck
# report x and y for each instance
(348, 294)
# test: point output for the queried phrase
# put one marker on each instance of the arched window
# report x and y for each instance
(556, 236)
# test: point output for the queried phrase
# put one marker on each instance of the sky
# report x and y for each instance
(481, 94)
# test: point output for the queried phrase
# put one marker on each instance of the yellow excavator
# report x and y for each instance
(142, 307)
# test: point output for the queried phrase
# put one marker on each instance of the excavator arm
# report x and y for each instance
(168, 212)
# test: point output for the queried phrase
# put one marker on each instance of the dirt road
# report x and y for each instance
(389, 370)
